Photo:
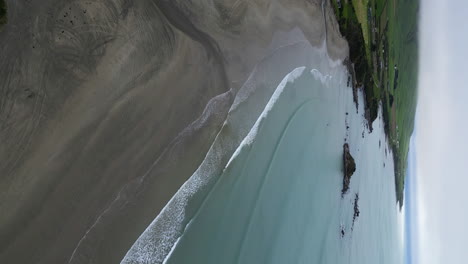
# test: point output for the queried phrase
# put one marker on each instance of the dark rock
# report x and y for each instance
(349, 167)
(356, 209)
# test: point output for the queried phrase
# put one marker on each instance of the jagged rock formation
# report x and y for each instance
(349, 167)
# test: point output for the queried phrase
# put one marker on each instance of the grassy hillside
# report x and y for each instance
(388, 29)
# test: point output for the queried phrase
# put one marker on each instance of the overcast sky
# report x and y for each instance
(442, 133)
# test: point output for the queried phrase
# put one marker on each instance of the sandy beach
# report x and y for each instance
(108, 107)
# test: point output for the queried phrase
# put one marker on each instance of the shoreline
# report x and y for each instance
(375, 70)
(162, 236)
(111, 107)
(97, 94)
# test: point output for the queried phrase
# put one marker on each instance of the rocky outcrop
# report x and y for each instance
(356, 209)
(349, 167)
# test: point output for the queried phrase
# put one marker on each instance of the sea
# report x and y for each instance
(270, 188)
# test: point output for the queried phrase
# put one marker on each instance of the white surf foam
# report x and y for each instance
(158, 240)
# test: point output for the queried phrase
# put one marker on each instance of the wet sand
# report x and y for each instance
(107, 107)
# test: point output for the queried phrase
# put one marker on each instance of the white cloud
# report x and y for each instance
(442, 131)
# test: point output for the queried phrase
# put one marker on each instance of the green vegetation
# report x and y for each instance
(388, 37)
(3, 13)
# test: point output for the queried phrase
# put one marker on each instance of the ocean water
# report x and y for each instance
(269, 190)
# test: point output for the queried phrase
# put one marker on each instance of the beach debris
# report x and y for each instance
(349, 167)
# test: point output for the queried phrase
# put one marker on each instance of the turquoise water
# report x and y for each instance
(279, 200)
(269, 190)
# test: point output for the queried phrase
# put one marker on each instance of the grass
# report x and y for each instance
(401, 93)
(3, 13)
(361, 15)
(388, 31)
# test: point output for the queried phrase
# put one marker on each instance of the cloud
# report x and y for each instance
(441, 132)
